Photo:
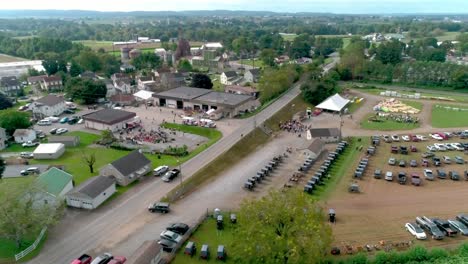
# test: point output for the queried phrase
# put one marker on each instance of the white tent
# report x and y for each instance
(333, 103)
(143, 95)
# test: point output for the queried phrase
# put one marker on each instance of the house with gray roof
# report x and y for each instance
(49, 105)
(91, 193)
(10, 85)
(128, 168)
(252, 75)
(328, 135)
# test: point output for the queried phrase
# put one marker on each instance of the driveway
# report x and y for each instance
(83, 231)
(13, 171)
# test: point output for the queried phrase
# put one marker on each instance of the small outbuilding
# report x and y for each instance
(68, 141)
(91, 193)
(24, 135)
(49, 151)
(315, 149)
(328, 135)
(108, 119)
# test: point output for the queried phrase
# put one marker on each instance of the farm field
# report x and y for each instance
(107, 45)
(382, 208)
(445, 118)
(8, 58)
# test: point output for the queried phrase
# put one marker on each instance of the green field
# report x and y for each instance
(386, 125)
(253, 62)
(444, 118)
(417, 105)
(288, 37)
(445, 36)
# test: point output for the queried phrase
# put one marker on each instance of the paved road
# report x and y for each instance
(81, 231)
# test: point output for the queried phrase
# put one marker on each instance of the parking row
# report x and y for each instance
(272, 165)
(321, 174)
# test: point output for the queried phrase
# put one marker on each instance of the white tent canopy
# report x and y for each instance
(333, 103)
(143, 95)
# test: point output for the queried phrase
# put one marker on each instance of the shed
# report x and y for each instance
(24, 135)
(49, 151)
(68, 141)
(91, 193)
(148, 253)
(314, 149)
(328, 135)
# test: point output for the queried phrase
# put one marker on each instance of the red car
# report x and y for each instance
(425, 163)
(83, 259)
(413, 149)
(414, 138)
(118, 260)
(442, 135)
(394, 149)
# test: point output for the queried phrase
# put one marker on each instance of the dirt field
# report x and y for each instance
(8, 58)
(381, 210)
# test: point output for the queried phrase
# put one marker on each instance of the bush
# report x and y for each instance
(360, 258)
(387, 258)
(438, 253)
(463, 250)
(177, 151)
(417, 253)
(120, 147)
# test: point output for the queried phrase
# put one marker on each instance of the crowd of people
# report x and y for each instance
(137, 135)
(293, 126)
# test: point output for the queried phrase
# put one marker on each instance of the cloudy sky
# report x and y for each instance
(335, 6)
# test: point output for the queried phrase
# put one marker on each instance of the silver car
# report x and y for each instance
(459, 226)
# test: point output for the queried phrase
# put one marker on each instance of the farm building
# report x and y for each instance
(91, 193)
(49, 151)
(328, 135)
(68, 141)
(108, 119)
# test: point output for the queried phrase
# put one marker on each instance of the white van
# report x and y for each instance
(160, 170)
(44, 122)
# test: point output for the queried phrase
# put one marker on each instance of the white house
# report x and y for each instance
(3, 138)
(127, 169)
(91, 193)
(108, 119)
(10, 85)
(48, 106)
(49, 151)
(24, 135)
(230, 78)
(252, 75)
(315, 149)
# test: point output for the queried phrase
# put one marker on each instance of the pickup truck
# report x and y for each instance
(445, 227)
(84, 259)
(402, 178)
(30, 144)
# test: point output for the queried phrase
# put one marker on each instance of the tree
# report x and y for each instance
(268, 56)
(107, 137)
(316, 92)
(86, 90)
(389, 52)
(5, 102)
(89, 61)
(24, 212)
(185, 65)
(75, 69)
(2, 167)
(201, 80)
(51, 66)
(282, 227)
(11, 120)
(147, 60)
(90, 160)
(301, 46)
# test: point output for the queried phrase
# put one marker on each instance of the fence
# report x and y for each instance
(32, 247)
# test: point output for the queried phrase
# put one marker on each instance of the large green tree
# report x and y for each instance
(201, 80)
(317, 91)
(185, 65)
(86, 90)
(147, 60)
(282, 227)
(11, 120)
(90, 61)
(5, 102)
(268, 56)
(51, 66)
(24, 212)
(389, 52)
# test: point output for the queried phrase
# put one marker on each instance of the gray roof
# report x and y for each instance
(183, 93)
(316, 146)
(10, 81)
(325, 132)
(22, 132)
(255, 72)
(50, 100)
(230, 74)
(228, 99)
(109, 116)
(131, 163)
(93, 187)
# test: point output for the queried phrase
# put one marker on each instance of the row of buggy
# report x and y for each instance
(263, 173)
(322, 172)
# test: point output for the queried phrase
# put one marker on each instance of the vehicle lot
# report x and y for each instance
(13, 171)
(382, 208)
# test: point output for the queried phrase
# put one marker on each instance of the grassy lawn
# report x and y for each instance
(289, 37)
(8, 58)
(253, 62)
(444, 118)
(386, 125)
(286, 113)
(208, 234)
(415, 104)
(448, 36)
(216, 80)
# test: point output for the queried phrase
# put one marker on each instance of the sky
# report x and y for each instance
(333, 6)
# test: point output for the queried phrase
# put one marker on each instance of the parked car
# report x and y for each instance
(440, 147)
(30, 144)
(457, 146)
(428, 155)
(72, 121)
(394, 149)
(167, 246)
(30, 170)
(171, 236)
(221, 253)
(387, 138)
(436, 137)
(441, 174)
(179, 228)
(431, 148)
(53, 119)
(80, 121)
(413, 163)
(391, 161)
(459, 160)
(416, 231)
(459, 226)
(377, 174)
(118, 260)
(69, 111)
(404, 150)
(26, 155)
(449, 146)
(190, 249)
(414, 138)
(64, 120)
(83, 259)
(421, 138)
(454, 176)
(53, 131)
(170, 175)
(61, 131)
(401, 177)
(395, 138)
(160, 170)
(103, 259)
(389, 176)
(444, 226)
(159, 207)
(205, 252)
(415, 179)
(436, 161)
(462, 218)
(426, 224)
(413, 148)
(428, 175)
(447, 159)
(402, 163)
(405, 138)
(425, 163)
(44, 122)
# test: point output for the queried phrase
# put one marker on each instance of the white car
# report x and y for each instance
(457, 146)
(440, 147)
(53, 119)
(428, 174)
(421, 137)
(436, 136)
(447, 159)
(61, 131)
(171, 236)
(389, 176)
(29, 144)
(27, 155)
(395, 138)
(80, 121)
(449, 146)
(416, 231)
(104, 258)
(431, 148)
(405, 138)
